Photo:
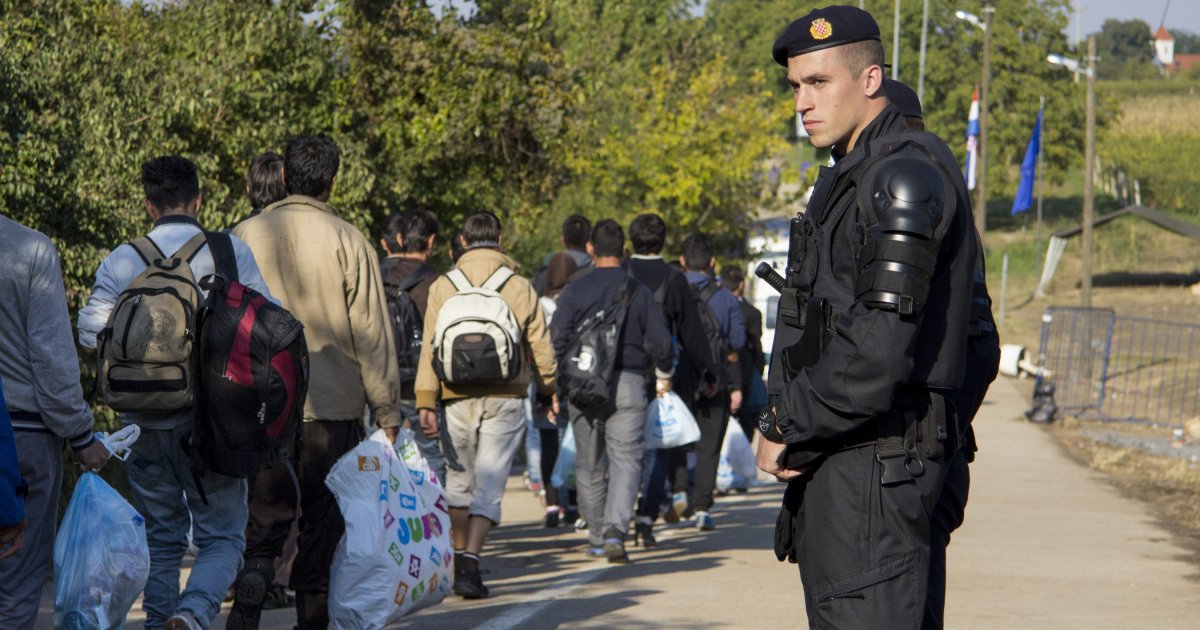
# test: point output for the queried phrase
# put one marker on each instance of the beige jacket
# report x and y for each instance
(325, 272)
(477, 265)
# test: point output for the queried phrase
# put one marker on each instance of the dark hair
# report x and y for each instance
(264, 180)
(697, 252)
(859, 56)
(575, 232)
(608, 239)
(482, 226)
(310, 164)
(170, 182)
(647, 234)
(731, 277)
(414, 227)
(456, 247)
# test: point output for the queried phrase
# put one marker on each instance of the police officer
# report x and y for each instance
(875, 309)
(983, 362)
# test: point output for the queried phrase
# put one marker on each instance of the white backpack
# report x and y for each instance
(477, 338)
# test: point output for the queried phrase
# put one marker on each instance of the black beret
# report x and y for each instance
(902, 97)
(824, 28)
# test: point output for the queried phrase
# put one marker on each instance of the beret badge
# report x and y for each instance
(820, 29)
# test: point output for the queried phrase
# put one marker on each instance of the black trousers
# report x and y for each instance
(947, 517)
(274, 505)
(321, 524)
(863, 548)
(712, 415)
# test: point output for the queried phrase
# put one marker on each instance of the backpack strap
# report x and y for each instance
(189, 249)
(660, 293)
(710, 289)
(497, 279)
(147, 249)
(224, 261)
(459, 279)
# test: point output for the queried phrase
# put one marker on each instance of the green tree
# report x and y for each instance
(455, 115)
(1186, 42)
(1126, 49)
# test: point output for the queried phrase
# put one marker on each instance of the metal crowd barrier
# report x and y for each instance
(1122, 368)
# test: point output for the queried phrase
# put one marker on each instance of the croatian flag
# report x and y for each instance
(972, 141)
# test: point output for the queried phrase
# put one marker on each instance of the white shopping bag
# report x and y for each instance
(669, 423)
(737, 468)
(396, 556)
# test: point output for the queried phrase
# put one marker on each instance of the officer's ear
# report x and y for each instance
(873, 81)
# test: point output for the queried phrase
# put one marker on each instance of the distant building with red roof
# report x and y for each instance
(1164, 52)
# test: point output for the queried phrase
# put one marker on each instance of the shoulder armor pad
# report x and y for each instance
(904, 197)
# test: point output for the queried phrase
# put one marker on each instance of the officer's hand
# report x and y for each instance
(735, 401)
(662, 386)
(429, 423)
(11, 539)
(95, 456)
(769, 455)
(391, 433)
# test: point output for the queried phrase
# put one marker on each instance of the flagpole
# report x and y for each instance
(1040, 192)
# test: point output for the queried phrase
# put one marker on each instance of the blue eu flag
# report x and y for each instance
(1024, 197)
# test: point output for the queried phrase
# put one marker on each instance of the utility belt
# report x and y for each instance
(921, 426)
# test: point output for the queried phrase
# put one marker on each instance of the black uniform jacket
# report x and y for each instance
(874, 353)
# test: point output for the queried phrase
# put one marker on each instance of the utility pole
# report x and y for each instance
(1040, 193)
(981, 202)
(924, 38)
(1089, 185)
(896, 43)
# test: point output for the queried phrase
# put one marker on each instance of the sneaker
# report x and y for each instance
(614, 546)
(249, 591)
(182, 620)
(467, 581)
(679, 504)
(704, 521)
(594, 552)
(551, 518)
(580, 523)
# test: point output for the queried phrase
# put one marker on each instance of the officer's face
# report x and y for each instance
(834, 104)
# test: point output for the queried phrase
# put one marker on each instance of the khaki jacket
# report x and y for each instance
(477, 265)
(325, 272)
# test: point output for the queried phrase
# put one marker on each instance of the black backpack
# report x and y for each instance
(253, 374)
(408, 327)
(586, 372)
(717, 344)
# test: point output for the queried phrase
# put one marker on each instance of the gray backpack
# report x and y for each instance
(145, 350)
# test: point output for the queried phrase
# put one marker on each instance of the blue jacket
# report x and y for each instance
(12, 507)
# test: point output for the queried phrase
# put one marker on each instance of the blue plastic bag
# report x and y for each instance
(101, 560)
(564, 467)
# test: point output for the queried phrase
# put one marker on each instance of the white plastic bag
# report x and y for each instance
(738, 467)
(669, 423)
(563, 475)
(395, 556)
(101, 560)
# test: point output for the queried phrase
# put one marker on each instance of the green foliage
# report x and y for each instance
(1186, 42)
(1125, 48)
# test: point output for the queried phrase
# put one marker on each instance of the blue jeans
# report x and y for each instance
(160, 478)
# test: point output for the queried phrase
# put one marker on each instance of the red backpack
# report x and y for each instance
(253, 374)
